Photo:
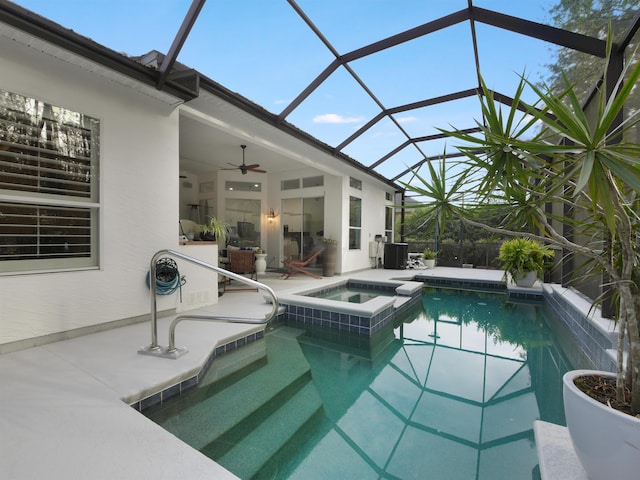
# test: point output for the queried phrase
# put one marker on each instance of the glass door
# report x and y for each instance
(291, 221)
(302, 221)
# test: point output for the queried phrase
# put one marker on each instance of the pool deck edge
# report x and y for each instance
(556, 456)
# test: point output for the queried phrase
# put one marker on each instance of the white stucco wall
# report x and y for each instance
(336, 192)
(139, 200)
(140, 195)
(373, 216)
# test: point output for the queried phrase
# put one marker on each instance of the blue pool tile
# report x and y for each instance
(171, 392)
(150, 401)
(188, 383)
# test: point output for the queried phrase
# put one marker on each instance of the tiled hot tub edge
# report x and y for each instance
(364, 319)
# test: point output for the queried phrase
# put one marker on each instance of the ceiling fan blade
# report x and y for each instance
(253, 165)
(257, 170)
(234, 168)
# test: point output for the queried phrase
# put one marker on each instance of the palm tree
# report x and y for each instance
(557, 155)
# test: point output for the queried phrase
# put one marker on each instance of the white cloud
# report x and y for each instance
(385, 134)
(335, 118)
(407, 119)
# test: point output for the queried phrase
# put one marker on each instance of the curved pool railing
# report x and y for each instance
(171, 351)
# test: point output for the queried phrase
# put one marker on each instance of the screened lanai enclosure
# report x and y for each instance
(372, 83)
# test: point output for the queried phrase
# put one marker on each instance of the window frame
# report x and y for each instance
(49, 185)
(355, 223)
(388, 222)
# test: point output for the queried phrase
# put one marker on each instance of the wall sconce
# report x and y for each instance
(271, 215)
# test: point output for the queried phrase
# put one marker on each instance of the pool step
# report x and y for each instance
(266, 437)
(218, 411)
(229, 368)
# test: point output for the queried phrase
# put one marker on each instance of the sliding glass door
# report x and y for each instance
(302, 223)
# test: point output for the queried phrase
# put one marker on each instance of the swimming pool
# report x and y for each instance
(449, 391)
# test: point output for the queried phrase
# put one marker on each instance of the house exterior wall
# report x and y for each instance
(336, 192)
(138, 198)
(332, 207)
(372, 220)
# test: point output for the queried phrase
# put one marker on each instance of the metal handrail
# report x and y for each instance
(173, 352)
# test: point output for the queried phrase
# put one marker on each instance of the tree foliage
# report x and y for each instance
(588, 17)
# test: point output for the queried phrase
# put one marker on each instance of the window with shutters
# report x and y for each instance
(49, 201)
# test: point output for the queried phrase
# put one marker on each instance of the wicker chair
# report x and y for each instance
(242, 262)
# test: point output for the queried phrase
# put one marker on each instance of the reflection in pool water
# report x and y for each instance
(450, 392)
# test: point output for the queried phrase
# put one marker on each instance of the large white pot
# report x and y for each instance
(606, 441)
(261, 263)
(525, 279)
(429, 262)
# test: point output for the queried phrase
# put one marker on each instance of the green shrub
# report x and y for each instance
(428, 254)
(523, 255)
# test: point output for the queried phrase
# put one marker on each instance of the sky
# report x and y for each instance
(263, 50)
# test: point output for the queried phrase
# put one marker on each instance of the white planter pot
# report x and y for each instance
(606, 441)
(261, 263)
(525, 279)
(429, 262)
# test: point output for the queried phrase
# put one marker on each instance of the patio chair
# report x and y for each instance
(295, 267)
(242, 262)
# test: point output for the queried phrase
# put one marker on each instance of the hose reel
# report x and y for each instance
(168, 278)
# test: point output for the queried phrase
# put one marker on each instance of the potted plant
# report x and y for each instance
(606, 437)
(523, 259)
(214, 230)
(429, 257)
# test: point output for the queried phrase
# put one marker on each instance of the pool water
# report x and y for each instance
(353, 295)
(449, 392)
(354, 292)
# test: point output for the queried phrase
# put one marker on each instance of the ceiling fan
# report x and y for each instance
(244, 168)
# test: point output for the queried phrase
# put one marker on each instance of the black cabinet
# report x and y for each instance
(395, 255)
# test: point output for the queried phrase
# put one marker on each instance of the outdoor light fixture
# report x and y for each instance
(271, 215)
